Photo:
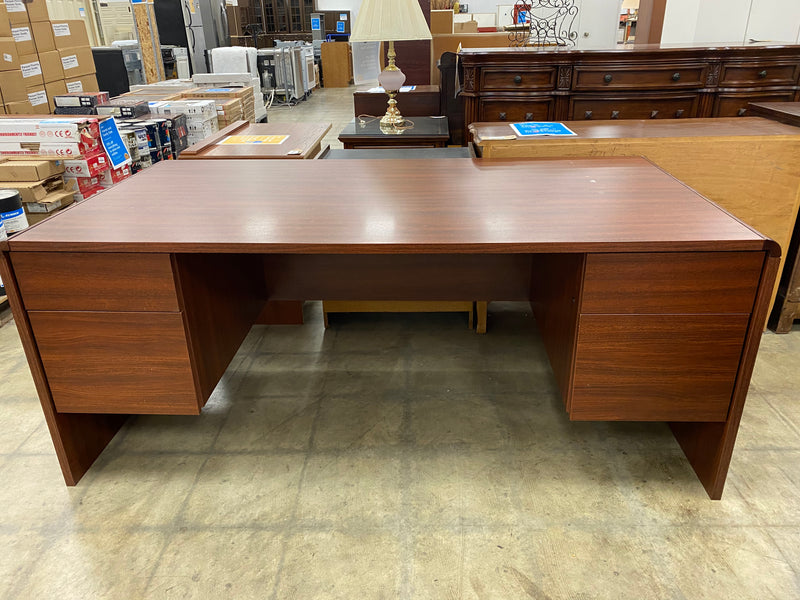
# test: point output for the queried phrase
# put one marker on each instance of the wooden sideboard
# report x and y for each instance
(644, 82)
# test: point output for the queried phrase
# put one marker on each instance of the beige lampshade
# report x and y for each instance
(389, 20)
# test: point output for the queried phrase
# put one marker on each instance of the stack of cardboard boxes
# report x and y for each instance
(229, 111)
(201, 116)
(243, 94)
(40, 183)
(41, 58)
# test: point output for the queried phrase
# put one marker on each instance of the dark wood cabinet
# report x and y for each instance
(647, 82)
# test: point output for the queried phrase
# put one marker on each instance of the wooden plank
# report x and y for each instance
(337, 67)
(656, 367)
(81, 281)
(112, 362)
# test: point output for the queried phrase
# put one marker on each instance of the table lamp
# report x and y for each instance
(390, 21)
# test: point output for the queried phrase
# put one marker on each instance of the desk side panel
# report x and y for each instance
(78, 438)
(221, 297)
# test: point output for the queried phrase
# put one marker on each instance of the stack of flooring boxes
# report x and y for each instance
(226, 94)
(40, 183)
(41, 58)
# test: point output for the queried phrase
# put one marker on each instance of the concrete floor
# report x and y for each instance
(399, 456)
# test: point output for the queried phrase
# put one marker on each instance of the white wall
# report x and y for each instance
(351, 5)
(720, 21)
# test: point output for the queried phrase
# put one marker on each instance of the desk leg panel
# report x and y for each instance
(709, 446)
(78, 438)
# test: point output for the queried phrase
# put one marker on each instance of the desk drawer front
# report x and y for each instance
(637, 106)
(532, 109)
(663, 77)
(522, 79)
(107, 362)
(656, 367)
(682, 282)
(750, 74)
(95, 281)
(736, 105)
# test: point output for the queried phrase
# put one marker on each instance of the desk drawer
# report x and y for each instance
(662, 77)
(681, 282)
(109, 362)
(529, 109)
(95, 281)
(736, 104)
(634, 106)
(751, 74)
(508, 80)
(656, 367)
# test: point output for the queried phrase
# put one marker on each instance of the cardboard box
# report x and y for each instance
(85, 83)
(53, 89)
(37, 96)
(69, 34)
(84, 184)
(51, 66)
(34, 191)
(43, 36)
(12, 86)
(31, 70)
(9, 57)
(113, 176)
(90, 165)
(23, 38)
(37, 10)
(220, 92)
(5, 26)
(52, 202)
(29, 170)
(77, 62)
(17, 15)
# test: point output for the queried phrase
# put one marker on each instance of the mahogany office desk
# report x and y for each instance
(649, 302)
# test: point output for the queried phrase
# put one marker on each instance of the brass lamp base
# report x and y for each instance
(392, 122)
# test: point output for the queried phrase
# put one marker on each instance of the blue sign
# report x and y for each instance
(315, 25)
(339, 26)
(522, 17)
(533, 128)
(112, 142)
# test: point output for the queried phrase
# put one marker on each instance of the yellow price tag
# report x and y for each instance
(253, 139)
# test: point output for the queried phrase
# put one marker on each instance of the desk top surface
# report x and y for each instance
(786, 112)
(427, 127)
(413, 206)
(647, 128)
(301, 140)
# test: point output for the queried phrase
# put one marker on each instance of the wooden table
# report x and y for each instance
(303, 141)
(747, 165)
(787, 302)
(648, 297)
(426, 132)
(422, 101)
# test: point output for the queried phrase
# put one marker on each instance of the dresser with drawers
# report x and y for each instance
(647, 82)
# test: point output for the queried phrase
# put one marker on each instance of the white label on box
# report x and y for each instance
(38, 98)
(31, 69)
(60, 29)
(8, 57)
(15, 6)
(69, 62)
(74, 86)
(43, 207)
(21, 34)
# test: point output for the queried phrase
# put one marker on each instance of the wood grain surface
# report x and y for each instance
(303, 142)
(656, 367)
(681, 282)
(90, 281)
(116, 362)
(784, 112)
(417, 206)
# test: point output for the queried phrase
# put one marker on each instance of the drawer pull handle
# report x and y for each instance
(762, 74)
(608, 78)
(529, 116)
(676, 77)
(679, 113)
(517, 79)
(741, 112)
(653, 114)
(587, 114)
(615, 114)
(502, 116)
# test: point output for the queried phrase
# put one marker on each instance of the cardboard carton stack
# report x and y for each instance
(41, 58)
(40, 183)
(201, 116)
(229, 111)
(244, 94)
